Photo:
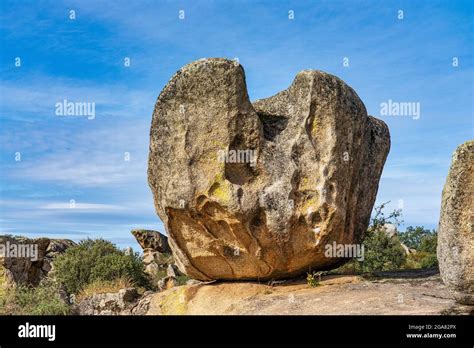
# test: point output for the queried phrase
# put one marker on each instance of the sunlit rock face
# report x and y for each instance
(256, 190)
(456, 226)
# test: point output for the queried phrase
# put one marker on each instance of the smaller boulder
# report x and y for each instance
(149, 239)
(390, 230)
(118, 303)
(172, 271)
(156, 251)
(58, 246)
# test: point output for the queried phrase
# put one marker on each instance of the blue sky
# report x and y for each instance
(82, 59)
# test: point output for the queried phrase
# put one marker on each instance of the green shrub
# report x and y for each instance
(424, 242)
(421, 259)
(379, 220)
(429, 243)
(312, 280)
(349, 268)
(41, 300)
(381, 253)
(420, 239)
(182, 279)
(429, 261)
(93, 260)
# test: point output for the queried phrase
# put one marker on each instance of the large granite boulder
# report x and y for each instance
(456, 226)
(256, 191)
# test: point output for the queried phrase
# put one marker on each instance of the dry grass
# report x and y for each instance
(104, 286)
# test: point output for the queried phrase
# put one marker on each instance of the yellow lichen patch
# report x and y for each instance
(210, 157)
(219, 177)
(306, 184)
(220, 194)
(309, 204)
(315, 127)
(217, 143)
(174, 302)
(217, 168)
(213, 151)
(221, 190)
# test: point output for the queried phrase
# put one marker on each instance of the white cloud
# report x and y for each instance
(30, 97)
(77, 169)
(81, 206)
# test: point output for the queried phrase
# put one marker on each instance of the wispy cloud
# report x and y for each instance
(64, 158)
(81, 206)
(35, 98)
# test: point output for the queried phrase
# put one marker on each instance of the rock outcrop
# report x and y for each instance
(149, 239)
(122, 302)
(27, 261)
(456, 226)
(156, 251)
(391, 231)
(419, 292)
(256, 191)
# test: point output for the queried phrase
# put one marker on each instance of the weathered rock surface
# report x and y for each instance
(29, 270)
(156, 251)
(456, 226)
(393, 293)
(122, 302)
(392, 231)
(256, 191)
(154, 240)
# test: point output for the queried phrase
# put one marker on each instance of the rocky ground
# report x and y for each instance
(391, 293)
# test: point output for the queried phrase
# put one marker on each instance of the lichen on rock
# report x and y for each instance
(456, 226)
(317, 160)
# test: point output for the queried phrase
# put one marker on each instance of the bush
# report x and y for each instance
(420, 239)
(44, 299)
(429, 243)
(429, 261)
(96, 260)
(421, 259)
(381, 253)
(312, 279)
(182, 279)
(424, 242)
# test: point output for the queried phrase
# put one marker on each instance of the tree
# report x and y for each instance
(418, 237)
(381, 252)
(379, 219)
(429, 242)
